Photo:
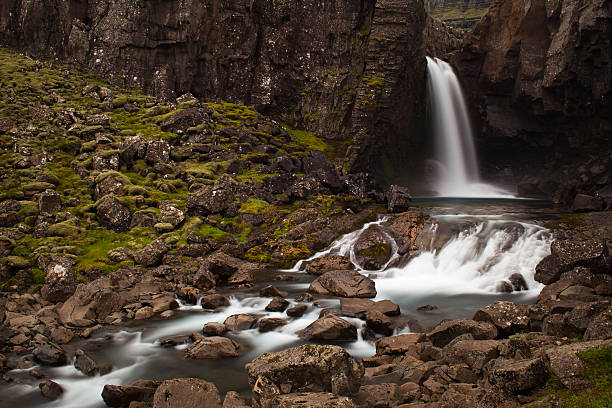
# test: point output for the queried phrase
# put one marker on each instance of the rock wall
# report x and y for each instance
(540, 74)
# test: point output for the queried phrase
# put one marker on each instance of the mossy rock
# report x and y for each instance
(63, 229)
(163, 227)
(38, 186)
(27, 209)
(16, 262)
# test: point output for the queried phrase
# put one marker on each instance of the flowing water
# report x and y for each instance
(456, 166)
(467, 250)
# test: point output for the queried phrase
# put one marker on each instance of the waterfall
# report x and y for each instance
(456, 160)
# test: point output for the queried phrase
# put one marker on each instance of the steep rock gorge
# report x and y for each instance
(540, 75)
(337, 68)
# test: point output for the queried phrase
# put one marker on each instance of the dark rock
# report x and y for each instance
(355, 307)
(557, 325)
(344, 284)
(601, 327)
(518, 376)
(379, 322)
(583, 315)
(398, 198)
(212, 348)
(297, 310)
(304, 369)
(113, 215)
(504, 287)
(565, 363)
(49, 203)
(328, 327)
(214, 301)
(507, 317)
(186, 393)
(152, 254)
(587, 203)
(518, 282)
(271, 323)
(446, 331)
(216, 198)
(317, 165)
(84, 363)
(387, 307)
(51, 390)
(184, 119)
(50, 354)
(240, 322)
(214, 329)
(372, 248)
(278, 304)
(398, 344)
(121, 396)
(327, 263)
(567, 255)
(60, 280)
(270, 291)
(427, 308)
(103, 162)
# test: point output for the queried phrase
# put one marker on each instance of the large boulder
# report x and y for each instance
(327, 263)
(344, 284)
(329, 327)
(318, 166)
(113, 215)
(212, 348)
(51, 390)
(518, 376)
(50, 354)
(474, 353)
(49, 203)
(398, 198)
(447, 330)
(230, 269)
(405, 228)
(565, 363)
(242, 321)
(186, 393)
(60, 279)
(215, 198)
(121, 396)
(152, 254)
(308, 368)
(568, 254)
(373, 248)
(587, 203)
(507, 317)
(601, 327)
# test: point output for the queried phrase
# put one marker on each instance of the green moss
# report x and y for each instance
(381, 252)
(374, 82)
(309, 140)
(254, 206)
(27, 209)
(37, 186)
(14, 261)
(258, 254)
(63, 229)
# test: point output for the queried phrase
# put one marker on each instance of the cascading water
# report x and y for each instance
(457, 164)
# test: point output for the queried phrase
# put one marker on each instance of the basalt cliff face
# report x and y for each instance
(336, 68)
(540, 73)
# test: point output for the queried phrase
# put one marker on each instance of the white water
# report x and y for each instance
(457, 164)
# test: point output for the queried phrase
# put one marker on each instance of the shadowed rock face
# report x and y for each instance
(540, 74)
(338, 69)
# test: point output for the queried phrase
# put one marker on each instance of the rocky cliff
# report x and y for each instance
(540, 74)
(462, 14)
(331, 67)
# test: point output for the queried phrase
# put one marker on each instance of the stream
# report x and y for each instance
(471, 246)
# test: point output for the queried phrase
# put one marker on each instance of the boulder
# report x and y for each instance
(398, 198)
(51, 390)
(355, 307)
(304, 369)
(271, 323)
(181, 120)
(157, 151)
(600, 328)
(297, 310)
(373, 248)
(214, 329)
(171, 214)
(278, 304)
(235, 400)
(568, 254)
(85, 363)
(328, 327)
(214, 301)
(121, 396)
(405, 228)
(317, 165)
(565, 363)
(344, 284)
(398, 344)
(49, 203)
(242, 321)
(327, 263)
(162, 302)
(518, 376)
(507, 317)
(378, 395)
(387, 308)
(586, 203)
(212, 348)
(60, 279)
(447, 330)
(215, 198)
(379, 322)
(474, 353)
(186, 393)
(50, 354)
(518, 282)
(270, 291)
(152, 254)
(113, 215)
(226, 266)
(309, 400)
(105, 161)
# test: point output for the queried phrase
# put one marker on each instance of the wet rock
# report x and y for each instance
(405, 228)
(518, 282)
(271, 323)
(121, 396)
(587, 203)
(504, 287)
(51, 390)
(398, 344)
(328, 263)
(328, 327)
(507, 317)
(240, 322)
(427, 308)
(387, 308)
(372, 248)
(297, 310)
(50, 354)
(270, 291)
(518, 376)
(163, 302)
(304, 369)
(344, 284)
(49, 203)
(113, 215)
(567, 255)
(152, 254)
(214, 329)
(212, 348)
(310, 400)
(173, 341)
(144, 313)
(84, 363)
(189, 294)
(446, 331)
(398, 198)
(379, 322)
(214, 301)
(60, 279)
(355, 307)
(278, 304)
